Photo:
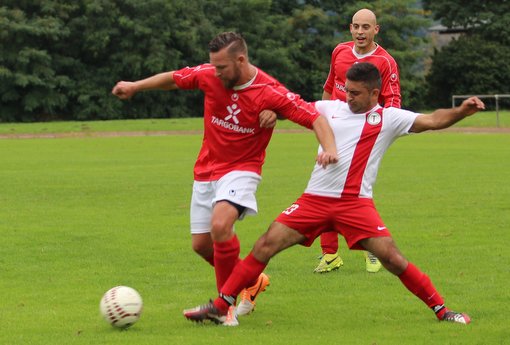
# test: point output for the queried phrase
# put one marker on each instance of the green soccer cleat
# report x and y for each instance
(372, 262)
(328, 263)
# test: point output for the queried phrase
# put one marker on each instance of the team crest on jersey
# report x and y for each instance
(393, 77)
(291, 96)
(234, 97)
(374, 118)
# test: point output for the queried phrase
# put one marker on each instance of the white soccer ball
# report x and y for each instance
(121, 306)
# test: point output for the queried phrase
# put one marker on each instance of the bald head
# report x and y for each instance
(365, 16)
(363, 30)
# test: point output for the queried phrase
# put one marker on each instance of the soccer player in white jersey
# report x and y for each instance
(362, 48)
(229, 165)
(340, 196)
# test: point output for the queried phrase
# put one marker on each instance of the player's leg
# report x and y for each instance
(330, 259)
(200, 220)
(236, 189)
(277, 238)
(212, 228)
(225, 242)
(202, 245)
(413, 279)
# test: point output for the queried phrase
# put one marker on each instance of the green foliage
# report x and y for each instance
(476, 62)
(466, 14)
(469, 65)
(60, 59)
(30, 80)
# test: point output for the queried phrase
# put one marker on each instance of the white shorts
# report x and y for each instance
(238, 187)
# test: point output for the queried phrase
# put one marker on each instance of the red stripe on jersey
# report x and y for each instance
(362, 152)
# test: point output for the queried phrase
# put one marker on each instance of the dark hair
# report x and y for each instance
(234, 41)
(366, 73)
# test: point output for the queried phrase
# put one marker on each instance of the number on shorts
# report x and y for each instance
(291, 209)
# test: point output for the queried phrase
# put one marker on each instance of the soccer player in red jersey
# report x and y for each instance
(362, 48)
(340, 197)
(229, 164)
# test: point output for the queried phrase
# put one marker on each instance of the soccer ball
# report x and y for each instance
(121, 306)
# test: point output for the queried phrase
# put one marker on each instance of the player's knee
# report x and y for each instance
(394, 262)
(220, 225)
(264, 250)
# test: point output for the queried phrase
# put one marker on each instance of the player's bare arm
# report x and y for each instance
(326, 96)
(160, 81)
(444, 118)
(326, 138)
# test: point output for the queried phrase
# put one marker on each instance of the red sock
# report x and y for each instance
(226, 255)
(245, 272)
(420, 284)
(329, 242)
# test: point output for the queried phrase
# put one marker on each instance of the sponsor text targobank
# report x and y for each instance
(231, 126)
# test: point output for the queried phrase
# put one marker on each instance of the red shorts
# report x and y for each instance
(354, 218)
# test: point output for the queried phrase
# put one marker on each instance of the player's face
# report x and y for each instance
(227, 68)
(359, 98)
(363, 31)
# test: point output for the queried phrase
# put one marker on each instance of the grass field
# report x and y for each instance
(80, 215)
(483, 119)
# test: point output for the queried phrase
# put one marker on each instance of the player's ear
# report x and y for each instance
(241, 58)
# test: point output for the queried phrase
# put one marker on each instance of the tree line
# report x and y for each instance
(61, 58)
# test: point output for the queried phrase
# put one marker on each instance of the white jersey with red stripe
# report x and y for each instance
(361, 140)
(233, 138)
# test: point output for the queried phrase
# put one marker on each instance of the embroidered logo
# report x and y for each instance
(374, 118)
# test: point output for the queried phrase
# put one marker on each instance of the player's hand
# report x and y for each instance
(124, 89)
(326, 158)
(471, 106)
(267, 119)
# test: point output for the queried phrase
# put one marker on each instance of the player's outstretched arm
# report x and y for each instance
(161, 81)
(326, 138)
(444, 118)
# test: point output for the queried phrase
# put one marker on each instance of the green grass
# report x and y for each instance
(80, 215)
(483, 119)
(145, 125)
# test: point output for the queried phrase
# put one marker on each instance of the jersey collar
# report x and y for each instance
(248, 83)
(361, 56)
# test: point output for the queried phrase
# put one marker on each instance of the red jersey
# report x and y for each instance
(233, 139)
(344, 56)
